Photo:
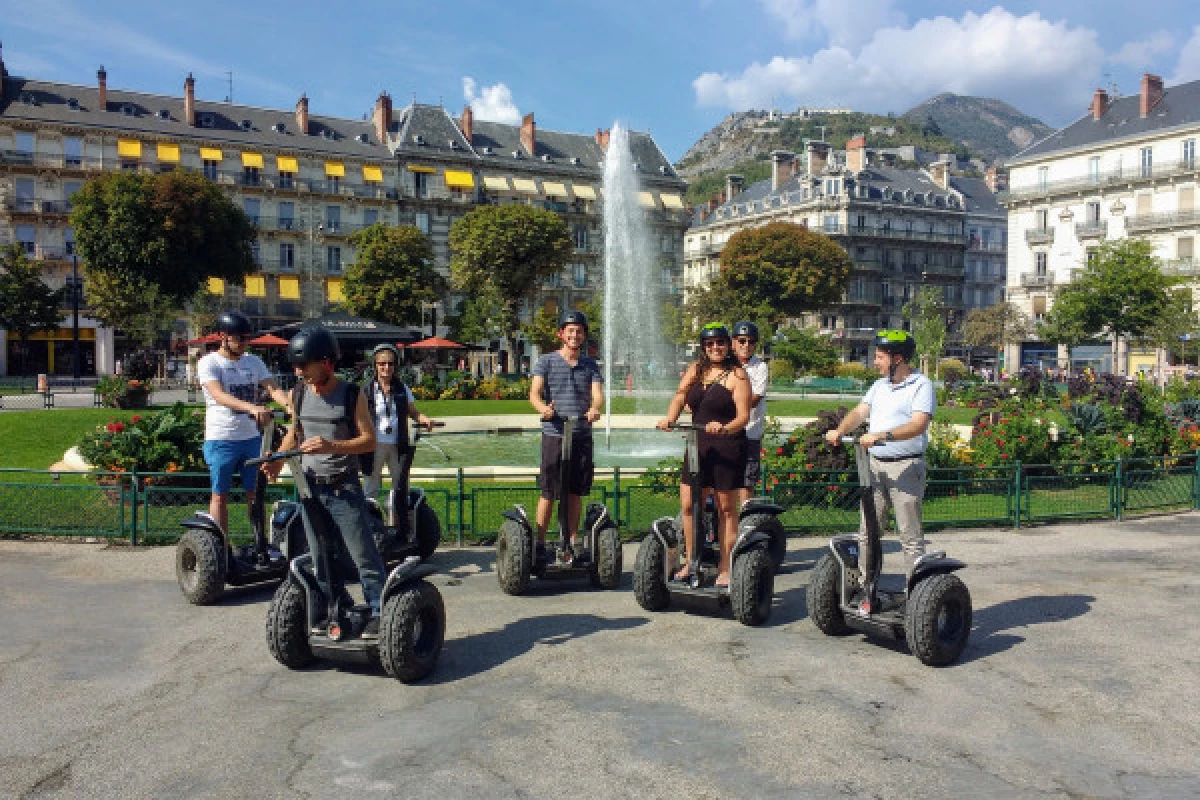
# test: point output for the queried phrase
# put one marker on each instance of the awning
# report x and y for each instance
(525, 186)
(372, 174)
(352, 330)
(496, 183)
(646, 200)
(554, 189)
(286, 164)
(256, 286)
(456, 179)
(129, 148)
(254, 160)
(420, 168)
(289, 288)
(584, 192)
(333, 290)
(168, 153)
(210, 154)
(216, 286)
(335, 169)
(671, 200)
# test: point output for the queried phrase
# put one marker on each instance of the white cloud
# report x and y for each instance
(1043, 66)
(492, 103)
(845, 24)
(1142, 53)
(1188, 66)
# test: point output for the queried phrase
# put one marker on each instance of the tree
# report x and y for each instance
(510, 249)
(783, 270)
(1122, 293)
(806, 350)
(393, 274)
(479, 319)
(26, 304)
(1062, 326)
(543, 330)
(150, 242)
(927, 313)
(995, 326)
(1177, 321)
(132, 304)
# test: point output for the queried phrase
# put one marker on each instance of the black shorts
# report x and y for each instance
(579, 474)
(753, 463)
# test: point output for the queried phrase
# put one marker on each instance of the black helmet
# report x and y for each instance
(234, 322)
(312, 343)
(896, 342)
(386, 347)
(573, 317)
(714, 330)
(746, 328)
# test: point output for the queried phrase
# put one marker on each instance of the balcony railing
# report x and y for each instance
(1091, 229)
(1034, 280)
(986, 247)
(1039, 235)
(942, 271)
(1181, 266)
(1103, 180)
(881, 232)
(866, 296)
(22, 158)
(1162, 219)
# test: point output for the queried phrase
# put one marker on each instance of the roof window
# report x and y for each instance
(162, 113)
(73, 103)
(278, 127)
(247, 125)
(129, 110)
(362, 138)
(208, 121)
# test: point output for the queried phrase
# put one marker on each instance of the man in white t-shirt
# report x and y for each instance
(232, 380)
(898, 409)
(745, 343)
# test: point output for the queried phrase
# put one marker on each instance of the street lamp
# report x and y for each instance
(75, 317)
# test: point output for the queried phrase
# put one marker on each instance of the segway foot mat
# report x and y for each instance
(354, 649)
(563, 572)
(712, 593)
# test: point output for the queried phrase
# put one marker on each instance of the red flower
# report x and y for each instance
(1004, 455)
(1023, 439)
(135, 418)
(762, 452)
(118, 427)
(779, 451)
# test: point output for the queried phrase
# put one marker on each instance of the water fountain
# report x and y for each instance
(632, 334)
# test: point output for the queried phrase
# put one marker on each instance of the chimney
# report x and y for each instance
(102, 88)
(382, 116)
(468, 124)
(302, 114)
(529, 134)
(602, 139)
(1152, 92)
(991, 176)
(1099, 103)
(189, 101)
(856, 153)
(818, 157)
(783, 166)
(940, 172)
(733, 185)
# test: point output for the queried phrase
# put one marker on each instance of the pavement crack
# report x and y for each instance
(52, 781)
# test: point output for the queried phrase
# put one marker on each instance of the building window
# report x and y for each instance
(210, 169)
(1093, 213)
(251, 176)
(335, 184)
(333, 218)
(862, 221)
(25, 144)
(370, 217)
(256, 252)
(420, 184)
(72, 152)
(1043, 178)
(580, 271)
(287, 180)
(1094, 169)
(287, 256)
(26, 236)
(1146, 161)
(333, 259)
(581, 239)
(1184, 248)
(24, 194)
(422, 217)
(667, 244)
(1188, 156)
(1040, 261)
(1041, 219)
(69, 241)
(253, 207)
(830, 223)
(287, 215)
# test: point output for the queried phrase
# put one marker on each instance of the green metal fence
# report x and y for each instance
(148, 508)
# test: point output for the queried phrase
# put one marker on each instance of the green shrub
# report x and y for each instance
(857, 371)
(951, 369)
(167, 441)
(782, 371)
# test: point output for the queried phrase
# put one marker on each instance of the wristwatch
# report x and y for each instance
(889, 437)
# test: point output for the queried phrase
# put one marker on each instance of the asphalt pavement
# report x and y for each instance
(1080, 680)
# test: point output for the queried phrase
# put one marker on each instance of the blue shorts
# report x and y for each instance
(225, 457)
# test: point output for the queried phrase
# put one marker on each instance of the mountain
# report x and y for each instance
(971, 127)
(990, 129)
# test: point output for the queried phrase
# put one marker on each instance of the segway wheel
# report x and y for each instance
(752, 586)
(287, 627)
(514, 557)
(429, 531)
(200, 567)
(773, 527)
(938, 619)
(649, 582)
(606, 561)
(824, 608)
(412, 628)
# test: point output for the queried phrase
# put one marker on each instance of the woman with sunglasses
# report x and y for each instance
(391, 404)
(717, 392)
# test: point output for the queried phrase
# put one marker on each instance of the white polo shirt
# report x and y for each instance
(757, 372)
(892, 405)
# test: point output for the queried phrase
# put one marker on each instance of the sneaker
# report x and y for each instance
(372, 629)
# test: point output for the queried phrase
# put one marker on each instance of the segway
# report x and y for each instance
(758, 513)
(206, 561)
(599, 560)
(752, 576)
(419, 532)
(412, 623)
(931, 610)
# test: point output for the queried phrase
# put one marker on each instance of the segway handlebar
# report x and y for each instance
(685, 426)
(853, 441)
(281, 455)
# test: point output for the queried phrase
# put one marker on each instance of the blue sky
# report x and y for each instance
(673, 67)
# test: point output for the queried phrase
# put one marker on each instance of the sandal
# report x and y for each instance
(682, 575)
(722, 581)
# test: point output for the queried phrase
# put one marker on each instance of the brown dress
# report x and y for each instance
(722, 457)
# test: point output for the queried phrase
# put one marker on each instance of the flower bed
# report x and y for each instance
(168, 441)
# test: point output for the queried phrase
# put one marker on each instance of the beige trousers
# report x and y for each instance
(899, 486)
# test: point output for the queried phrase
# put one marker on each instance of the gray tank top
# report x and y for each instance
(327, 417)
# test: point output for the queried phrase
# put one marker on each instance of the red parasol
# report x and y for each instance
(437, 343)
(268, 340)
(208, 338)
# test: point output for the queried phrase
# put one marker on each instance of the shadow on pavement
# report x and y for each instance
(480, 652)
(988, 635)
